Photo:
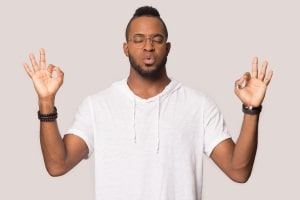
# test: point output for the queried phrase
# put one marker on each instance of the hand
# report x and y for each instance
(251, 89)
(46, 84)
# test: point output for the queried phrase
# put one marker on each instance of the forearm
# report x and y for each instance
(52, 144)
(246, 145)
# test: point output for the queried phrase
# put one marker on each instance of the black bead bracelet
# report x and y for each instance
(48, 117)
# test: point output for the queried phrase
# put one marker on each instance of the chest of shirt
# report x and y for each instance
(147, 124)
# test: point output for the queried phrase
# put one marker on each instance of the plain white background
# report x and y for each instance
(213, 43)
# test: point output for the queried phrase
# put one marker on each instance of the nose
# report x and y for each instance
(148, 46)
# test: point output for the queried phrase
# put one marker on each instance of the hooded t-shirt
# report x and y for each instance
(149, 149)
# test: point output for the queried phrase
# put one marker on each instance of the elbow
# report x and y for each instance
(56, 171)
(240, 179)
(240, 175)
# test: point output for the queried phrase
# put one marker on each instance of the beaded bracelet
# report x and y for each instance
(48, 117)
(251, 110)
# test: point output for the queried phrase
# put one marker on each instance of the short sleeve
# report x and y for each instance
(215, 129)
(83, 125)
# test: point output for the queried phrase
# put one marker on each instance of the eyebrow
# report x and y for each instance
(155, 34)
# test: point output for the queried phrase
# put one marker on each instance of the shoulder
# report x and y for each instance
(109, 92)
(192, 93)
(194, 97)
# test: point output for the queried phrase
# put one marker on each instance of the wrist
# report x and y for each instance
(46, 105)
(250, 110)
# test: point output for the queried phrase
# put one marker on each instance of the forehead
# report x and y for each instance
(146, 25)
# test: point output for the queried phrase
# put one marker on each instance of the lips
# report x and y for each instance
(148, 59)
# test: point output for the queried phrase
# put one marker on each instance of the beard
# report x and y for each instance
(148, 73)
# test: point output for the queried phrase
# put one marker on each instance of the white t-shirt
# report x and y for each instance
(149, 149)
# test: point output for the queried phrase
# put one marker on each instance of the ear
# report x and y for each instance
(168, 47)
(125, 48)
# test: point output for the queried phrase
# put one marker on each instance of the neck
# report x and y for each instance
(147, 87)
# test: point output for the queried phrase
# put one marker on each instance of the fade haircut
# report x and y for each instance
(146, 11)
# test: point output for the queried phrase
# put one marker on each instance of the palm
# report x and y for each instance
(45, 84)
(253, 94)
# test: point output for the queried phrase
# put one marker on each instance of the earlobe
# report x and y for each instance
(125, 48)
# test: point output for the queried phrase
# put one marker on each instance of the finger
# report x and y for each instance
(245, 77)
(42, 59)
(33, 62)
(263, 70)
(268, 78)
(27, 69)
(254, 67)
(241, 83)
(50, 69)
(59, 73)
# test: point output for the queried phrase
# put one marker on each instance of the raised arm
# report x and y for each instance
(60, 154)
(237, 160)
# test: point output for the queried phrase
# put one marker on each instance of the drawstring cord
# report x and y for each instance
(158, 120)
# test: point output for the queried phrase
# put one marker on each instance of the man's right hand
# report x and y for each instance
(46, 80)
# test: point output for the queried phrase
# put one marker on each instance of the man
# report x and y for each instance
(149, 132)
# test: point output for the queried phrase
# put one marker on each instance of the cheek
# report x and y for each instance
(162, 53)
(135, 54)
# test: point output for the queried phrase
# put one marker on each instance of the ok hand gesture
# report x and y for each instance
(251, 88)
(46, 80)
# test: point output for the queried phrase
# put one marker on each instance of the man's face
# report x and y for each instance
(147, 48)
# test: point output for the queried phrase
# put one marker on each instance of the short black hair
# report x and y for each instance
(146, 11)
